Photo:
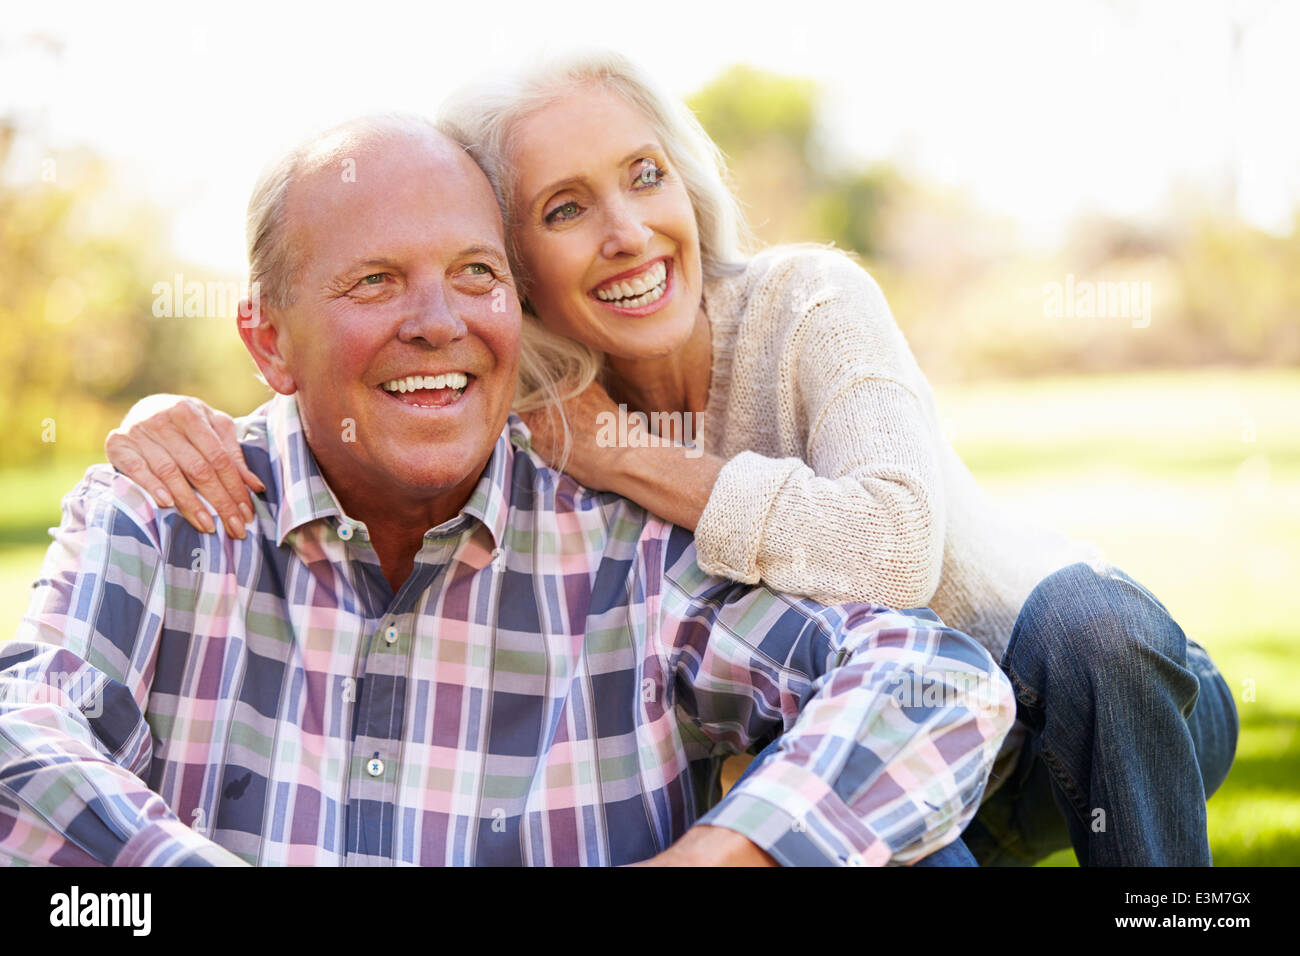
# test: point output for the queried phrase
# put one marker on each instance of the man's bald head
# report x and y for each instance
(274, 252)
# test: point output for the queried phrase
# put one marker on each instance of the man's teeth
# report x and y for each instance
(456, 380)
(638, 291)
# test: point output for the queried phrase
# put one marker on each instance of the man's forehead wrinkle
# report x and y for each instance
(403, 147)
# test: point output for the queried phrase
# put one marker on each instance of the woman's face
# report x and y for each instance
(605, 227)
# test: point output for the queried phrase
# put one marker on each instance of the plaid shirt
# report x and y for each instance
(555, 683)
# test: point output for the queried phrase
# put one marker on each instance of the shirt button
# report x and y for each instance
(856, 860)
(498, 558)
(345, 531)
(375, 767)
(390, 635)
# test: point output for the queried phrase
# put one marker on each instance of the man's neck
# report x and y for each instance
(397, 519)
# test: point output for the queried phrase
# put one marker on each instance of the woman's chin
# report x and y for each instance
(633, 349)
(649, 337)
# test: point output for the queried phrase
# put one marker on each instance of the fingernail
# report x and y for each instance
(205, 522)
(234, 527)
(163, 498)
(247, 512)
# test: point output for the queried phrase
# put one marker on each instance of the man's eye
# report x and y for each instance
(562, 213)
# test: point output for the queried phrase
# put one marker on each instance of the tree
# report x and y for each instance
(794, 188)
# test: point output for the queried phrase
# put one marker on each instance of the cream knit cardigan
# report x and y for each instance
(839, 483)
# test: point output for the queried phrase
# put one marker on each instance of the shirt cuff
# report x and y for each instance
(791, 814)
(172, 843)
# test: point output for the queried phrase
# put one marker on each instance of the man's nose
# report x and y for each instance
(626, 231)
(431, 317)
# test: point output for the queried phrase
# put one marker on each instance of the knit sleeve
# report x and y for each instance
(860, 516)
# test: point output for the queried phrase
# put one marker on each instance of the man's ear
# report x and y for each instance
(263, 333)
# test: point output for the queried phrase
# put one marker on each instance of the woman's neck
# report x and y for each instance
(677, 382)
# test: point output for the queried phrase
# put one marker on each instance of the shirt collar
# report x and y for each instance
(305, 496)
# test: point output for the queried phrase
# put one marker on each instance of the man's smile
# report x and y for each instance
(429, 390)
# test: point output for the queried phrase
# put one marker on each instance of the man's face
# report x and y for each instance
(402, 341)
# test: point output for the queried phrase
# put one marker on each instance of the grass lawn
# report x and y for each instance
(1191, 483)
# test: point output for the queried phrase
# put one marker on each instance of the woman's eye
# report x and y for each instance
(650, 174)
(479, 269)
(378, 277)
(562, 213)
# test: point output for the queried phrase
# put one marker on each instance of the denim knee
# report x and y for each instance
(1101, 627)
(1214, 723)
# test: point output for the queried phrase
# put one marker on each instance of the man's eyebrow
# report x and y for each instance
(380, 263)
(482, 249)
(475, 249)
(570, 180)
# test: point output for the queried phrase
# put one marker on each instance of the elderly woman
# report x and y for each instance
(818, 465)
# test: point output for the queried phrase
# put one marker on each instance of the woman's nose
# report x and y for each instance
(431, 317)
(627, 233)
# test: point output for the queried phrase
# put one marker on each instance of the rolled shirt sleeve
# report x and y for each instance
(75, 747)
(890, 723)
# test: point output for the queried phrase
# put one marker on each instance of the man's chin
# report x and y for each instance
(427, 467)
(400, 460)
(421, 481)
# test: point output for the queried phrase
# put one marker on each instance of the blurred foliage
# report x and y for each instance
(972, 299)
(769, 128)
(745, 109)
(78, 336)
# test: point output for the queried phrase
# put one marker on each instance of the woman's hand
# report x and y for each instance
(589, 462)
(173, 446)
(669, 479)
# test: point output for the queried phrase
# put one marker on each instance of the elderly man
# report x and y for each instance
(428, 648)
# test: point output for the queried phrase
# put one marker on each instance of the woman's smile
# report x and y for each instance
(638, 291)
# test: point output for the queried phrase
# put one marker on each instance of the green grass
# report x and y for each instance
(1189, 481)
(1191, 484)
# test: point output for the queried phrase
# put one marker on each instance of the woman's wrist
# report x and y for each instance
(673, 481)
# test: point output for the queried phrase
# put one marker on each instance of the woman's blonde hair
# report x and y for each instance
(554, 368)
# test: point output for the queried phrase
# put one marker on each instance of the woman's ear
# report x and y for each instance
(262, 331)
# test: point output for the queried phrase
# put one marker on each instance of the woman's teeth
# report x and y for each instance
(638, 291)
(456, 380)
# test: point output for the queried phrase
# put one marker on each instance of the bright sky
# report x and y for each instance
(1040, 110)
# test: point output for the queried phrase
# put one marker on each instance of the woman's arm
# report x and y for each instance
(861, 519)
(851, 507)
(173, 446)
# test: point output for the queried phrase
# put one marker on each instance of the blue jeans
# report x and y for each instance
(1130, 728)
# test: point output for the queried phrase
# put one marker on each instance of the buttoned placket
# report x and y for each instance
(379, 706)
(380, 731)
